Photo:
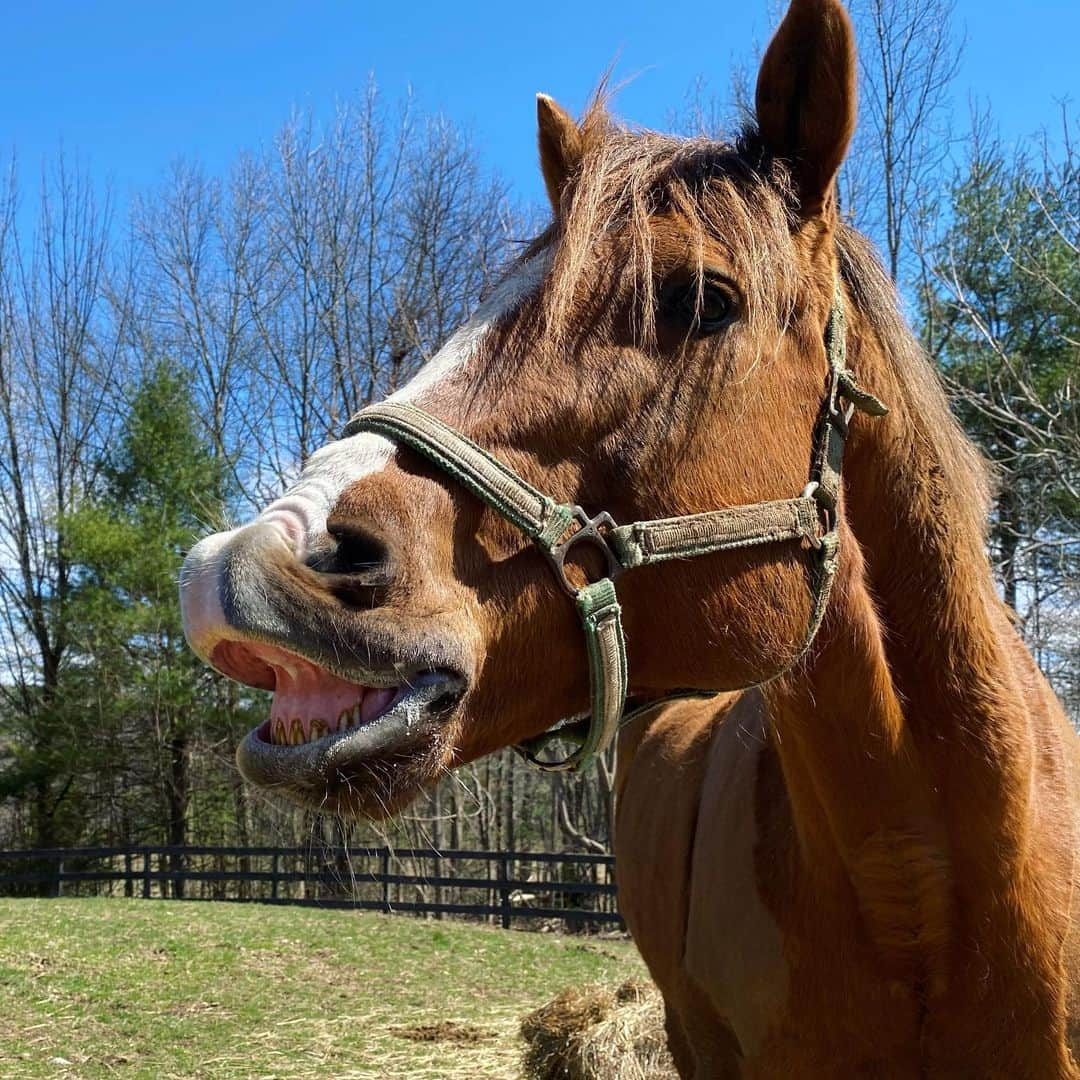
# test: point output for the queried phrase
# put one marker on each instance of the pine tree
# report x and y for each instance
(143, 706)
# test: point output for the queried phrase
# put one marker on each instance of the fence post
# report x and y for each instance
(177, 864)
(438, 888)
(128, 874)
(146, 875)
(384, 873)
(274, 877)
(504, 890)
(59, 881)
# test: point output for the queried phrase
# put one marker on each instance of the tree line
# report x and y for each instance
(165, 372)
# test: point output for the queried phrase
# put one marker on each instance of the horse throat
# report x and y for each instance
(907, 741)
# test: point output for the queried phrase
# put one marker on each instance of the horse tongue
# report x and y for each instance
(376, 701)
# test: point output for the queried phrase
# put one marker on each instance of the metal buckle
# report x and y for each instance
(829, 516)
(839, 416)
(589, 532)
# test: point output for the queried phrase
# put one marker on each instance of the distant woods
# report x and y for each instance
(999, 307)
(164, 371)
(165, 368)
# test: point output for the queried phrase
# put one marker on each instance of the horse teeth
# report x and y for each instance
(294, 732)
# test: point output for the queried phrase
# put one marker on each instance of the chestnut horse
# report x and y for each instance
(862, 866)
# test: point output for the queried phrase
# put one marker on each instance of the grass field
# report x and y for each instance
(138, 988)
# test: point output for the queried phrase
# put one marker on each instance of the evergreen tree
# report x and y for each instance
(140, 703)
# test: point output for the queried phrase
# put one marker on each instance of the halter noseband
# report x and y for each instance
(556, 527)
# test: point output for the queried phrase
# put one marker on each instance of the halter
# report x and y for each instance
(557, 527)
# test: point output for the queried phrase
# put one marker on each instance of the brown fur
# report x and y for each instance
(867, 867)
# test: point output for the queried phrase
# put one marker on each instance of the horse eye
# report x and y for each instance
(704, 311)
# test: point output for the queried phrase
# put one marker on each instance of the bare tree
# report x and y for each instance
(57, 366)
(192, 242)
(1003, 319)
(909, 54)
(371, 238)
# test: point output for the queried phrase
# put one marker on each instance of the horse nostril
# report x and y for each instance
(357, 550)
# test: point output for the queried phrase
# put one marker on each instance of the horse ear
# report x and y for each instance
(806, 96)
(561, 147)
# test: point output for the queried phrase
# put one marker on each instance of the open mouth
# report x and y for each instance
(311, 703)
(324, 730)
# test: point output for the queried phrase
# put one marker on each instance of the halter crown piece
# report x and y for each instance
(556, 527)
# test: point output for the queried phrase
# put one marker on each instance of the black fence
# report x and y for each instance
(576, 892)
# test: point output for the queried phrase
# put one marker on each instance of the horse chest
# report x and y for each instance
(734, 948)
(779, 965)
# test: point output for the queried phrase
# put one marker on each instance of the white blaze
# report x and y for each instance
(331, 469)
(301, 512)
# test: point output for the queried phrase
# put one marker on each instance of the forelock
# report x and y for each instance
(723, 193)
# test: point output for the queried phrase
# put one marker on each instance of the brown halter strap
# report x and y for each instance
(557, 527)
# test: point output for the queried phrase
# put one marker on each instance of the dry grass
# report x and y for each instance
(597, 1033)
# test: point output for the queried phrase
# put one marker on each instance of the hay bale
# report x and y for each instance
(553, 1031)
(598, 1033)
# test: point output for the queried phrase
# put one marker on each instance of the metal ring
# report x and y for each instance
(588, 532)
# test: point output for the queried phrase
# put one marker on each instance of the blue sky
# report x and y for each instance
(130, 86)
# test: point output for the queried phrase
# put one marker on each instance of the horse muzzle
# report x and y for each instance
(335, 769)
(363, 691)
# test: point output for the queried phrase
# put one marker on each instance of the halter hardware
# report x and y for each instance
(828, 515)
(811, 518)
(588, 533)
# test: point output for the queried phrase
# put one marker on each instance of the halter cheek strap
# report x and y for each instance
(557, 527)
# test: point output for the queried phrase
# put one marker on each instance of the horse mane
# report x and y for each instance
(958, 480)
(738, 195)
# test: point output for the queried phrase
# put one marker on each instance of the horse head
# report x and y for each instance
(659, 351)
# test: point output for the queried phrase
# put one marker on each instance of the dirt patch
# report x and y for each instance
(39, 965)
(586, 948)
(443, 1031)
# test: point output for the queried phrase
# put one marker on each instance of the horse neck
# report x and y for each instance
(905, 740)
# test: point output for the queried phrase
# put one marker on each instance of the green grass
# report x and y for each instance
(136, 988)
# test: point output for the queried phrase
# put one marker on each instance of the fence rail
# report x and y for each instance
(505, 887)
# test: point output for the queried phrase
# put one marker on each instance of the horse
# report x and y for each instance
(846, 827)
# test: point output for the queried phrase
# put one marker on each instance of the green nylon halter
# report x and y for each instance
(556, 527)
